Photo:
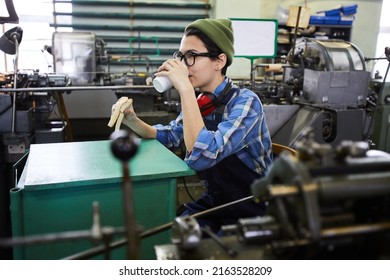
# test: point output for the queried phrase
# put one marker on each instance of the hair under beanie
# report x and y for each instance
(220, 31)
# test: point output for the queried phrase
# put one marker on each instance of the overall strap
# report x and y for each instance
(212, 124)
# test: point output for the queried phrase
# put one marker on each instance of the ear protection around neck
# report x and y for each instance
(208, 102)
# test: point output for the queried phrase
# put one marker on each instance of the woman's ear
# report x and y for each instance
(221, 62)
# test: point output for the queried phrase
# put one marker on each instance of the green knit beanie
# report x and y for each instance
(220, 31)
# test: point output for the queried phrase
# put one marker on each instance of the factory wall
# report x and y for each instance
(365, 28)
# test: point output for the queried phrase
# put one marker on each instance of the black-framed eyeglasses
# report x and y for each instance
(189, 56)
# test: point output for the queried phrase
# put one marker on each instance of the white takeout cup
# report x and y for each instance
(162, 84)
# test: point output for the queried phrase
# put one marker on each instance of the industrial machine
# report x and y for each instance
(380, 122)
(24, 118)
(331, 202)
(325, 85)
(326, 203)
(323, 203)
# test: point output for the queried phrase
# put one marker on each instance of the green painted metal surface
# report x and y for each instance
(111, 3)
(127, 15)
(62, 180)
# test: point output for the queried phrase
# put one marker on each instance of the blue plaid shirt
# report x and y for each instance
(243, 131)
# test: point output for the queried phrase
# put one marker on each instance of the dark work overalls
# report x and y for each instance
(227, 181)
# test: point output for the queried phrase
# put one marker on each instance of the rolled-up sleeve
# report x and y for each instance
(170, 135)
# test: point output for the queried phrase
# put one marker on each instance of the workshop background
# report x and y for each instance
(91, 108)
(324, 91)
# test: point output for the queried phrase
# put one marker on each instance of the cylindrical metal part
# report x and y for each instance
(364, 185)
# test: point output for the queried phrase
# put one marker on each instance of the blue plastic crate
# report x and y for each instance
(331, 20)
(316, 20)
(346, 20)
(349, 10)
(331, 13)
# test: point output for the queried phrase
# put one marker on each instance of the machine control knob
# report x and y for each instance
(124, 145)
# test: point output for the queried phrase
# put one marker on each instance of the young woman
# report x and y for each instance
(224, 128)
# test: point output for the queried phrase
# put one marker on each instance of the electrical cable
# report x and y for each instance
(187, 190)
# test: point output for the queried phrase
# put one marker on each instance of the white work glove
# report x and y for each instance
(118, 111)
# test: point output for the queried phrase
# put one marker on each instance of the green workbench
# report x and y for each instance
(61, 181)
